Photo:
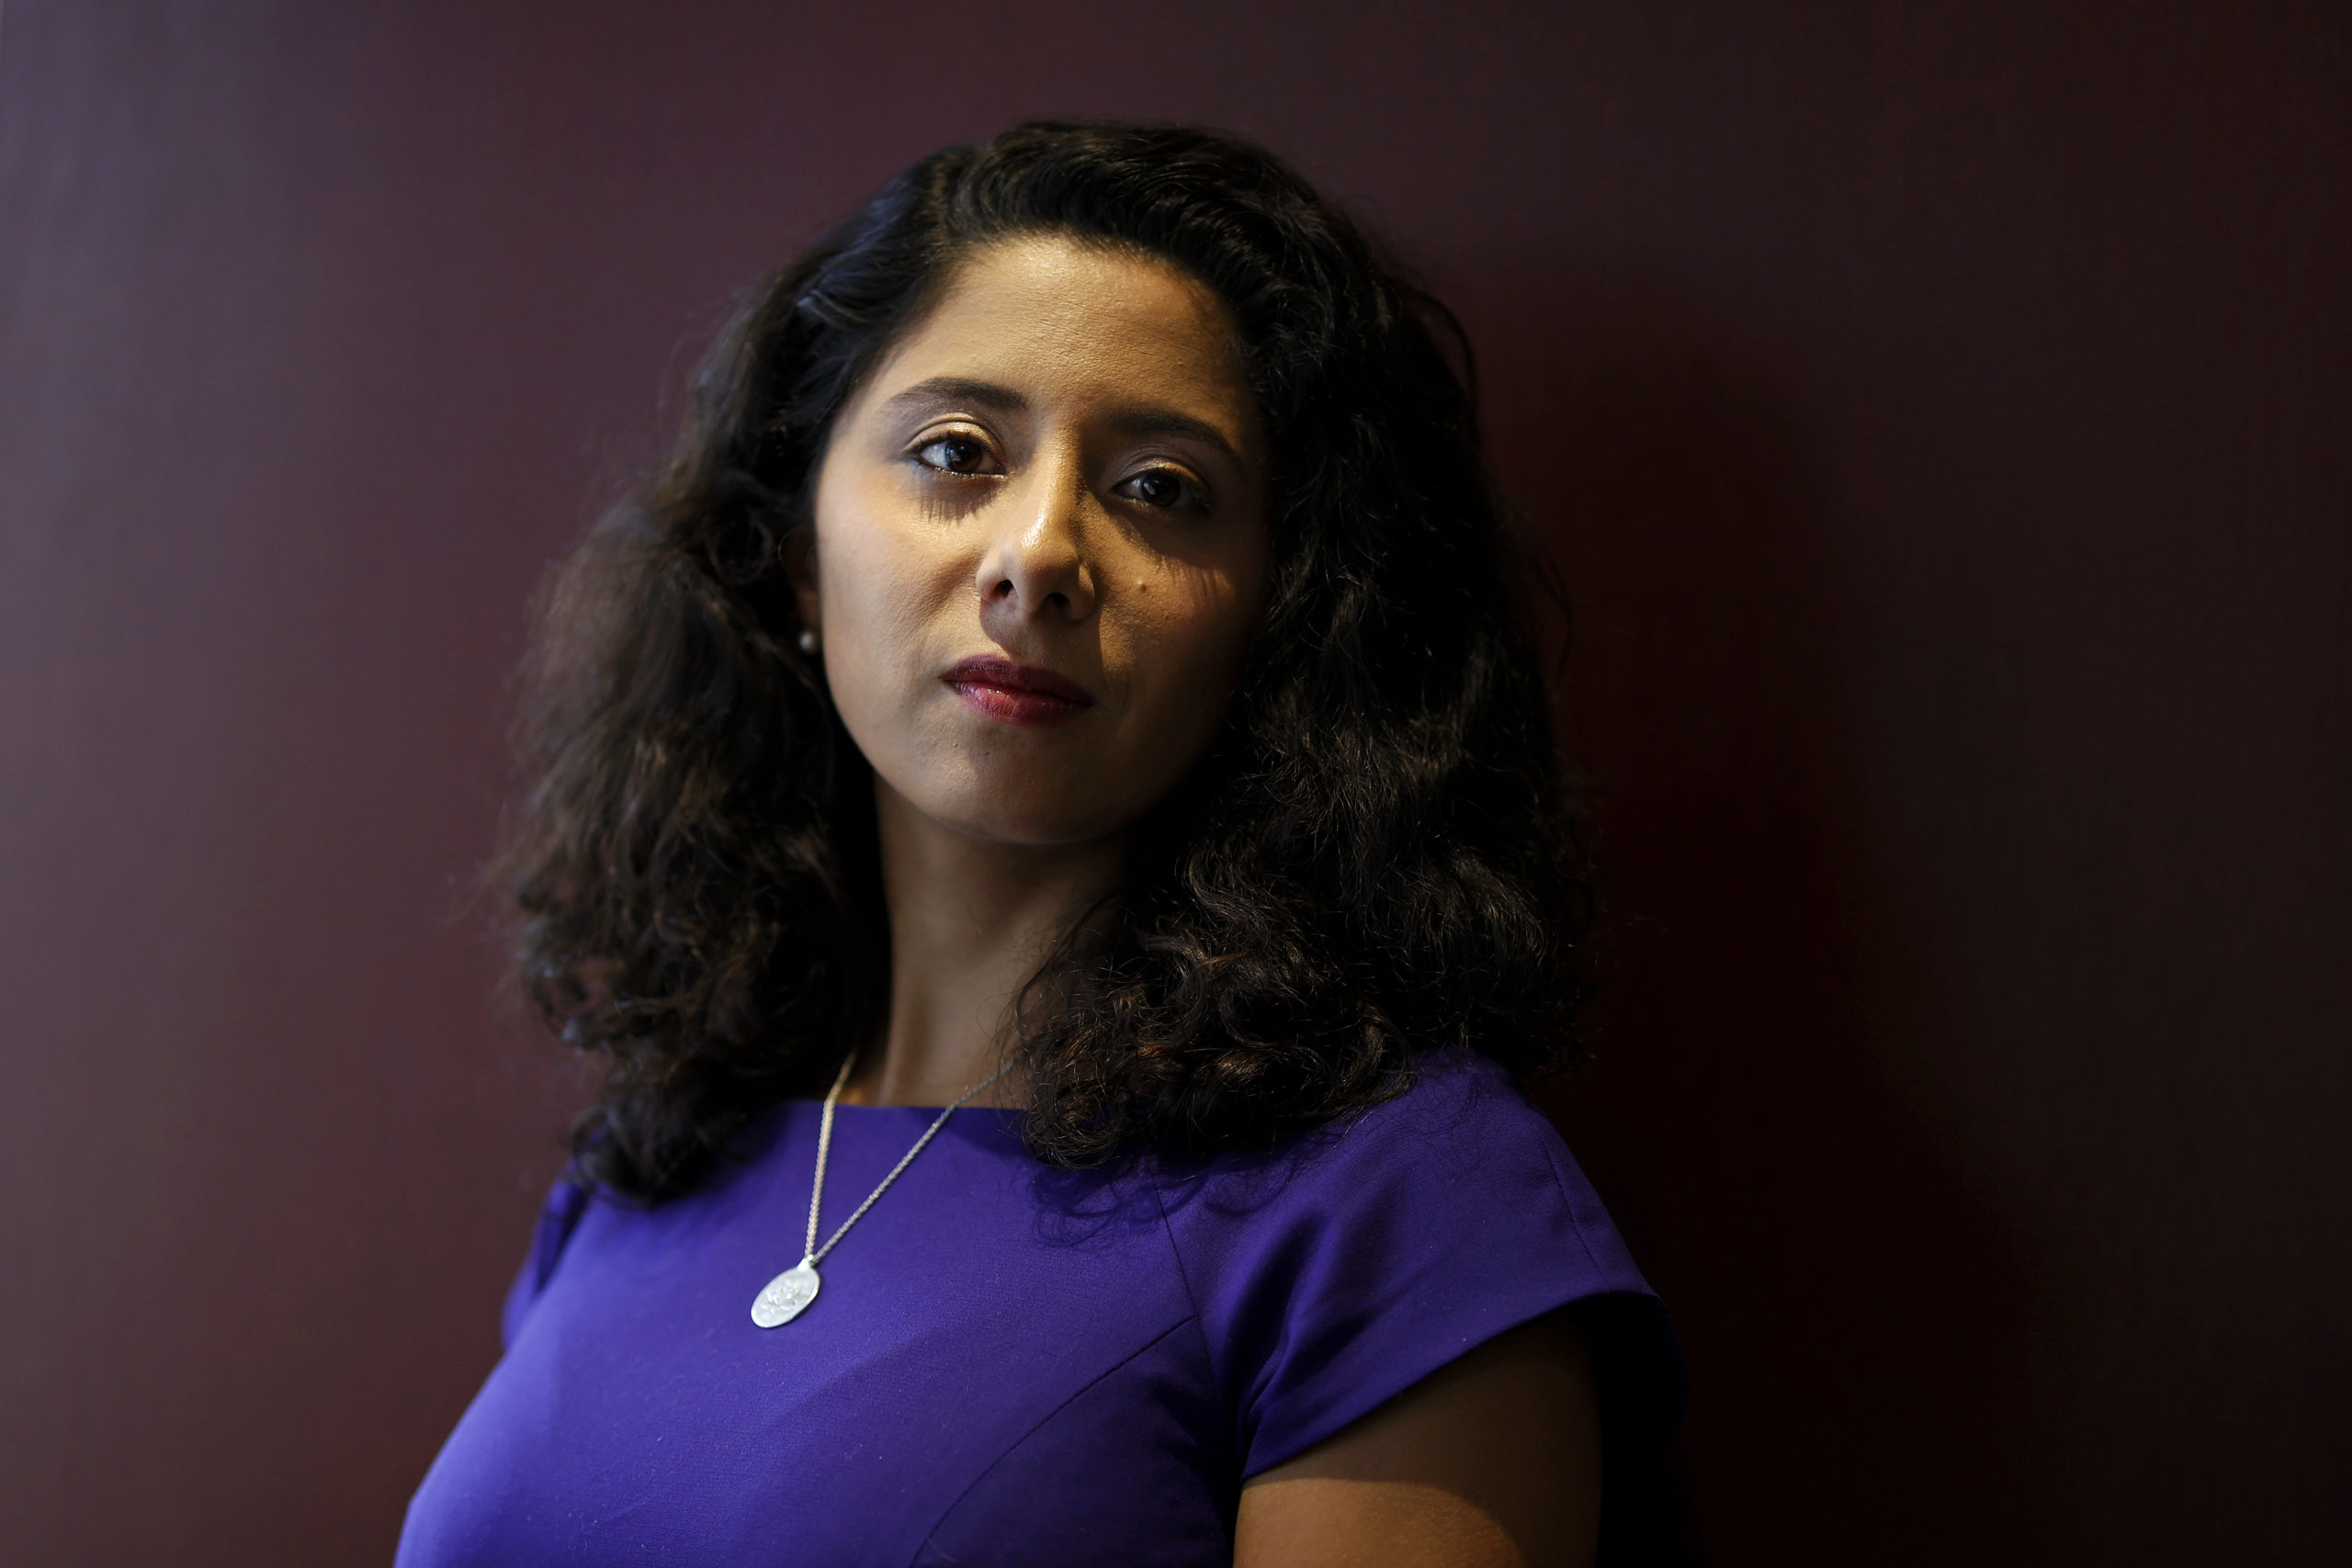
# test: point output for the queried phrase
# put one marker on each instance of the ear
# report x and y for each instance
(800, 569)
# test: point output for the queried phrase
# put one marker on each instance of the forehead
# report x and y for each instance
(1058, 320)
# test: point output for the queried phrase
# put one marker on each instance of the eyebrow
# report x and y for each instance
(1165, 421)
(961, 389)
(1004, 400)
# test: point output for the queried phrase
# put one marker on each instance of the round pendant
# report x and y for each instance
(786, 1296)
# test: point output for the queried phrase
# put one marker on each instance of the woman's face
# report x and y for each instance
(1041, 543)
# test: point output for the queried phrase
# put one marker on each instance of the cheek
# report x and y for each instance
(879, 589)
(1188, 633)
(864, 579)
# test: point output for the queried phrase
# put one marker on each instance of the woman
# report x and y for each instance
(1067, 673)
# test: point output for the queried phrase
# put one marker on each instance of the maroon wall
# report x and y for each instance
(1940, 411)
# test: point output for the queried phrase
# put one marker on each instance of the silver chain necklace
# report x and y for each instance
(788, 1295)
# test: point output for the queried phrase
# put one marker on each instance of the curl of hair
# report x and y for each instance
(1372, 860)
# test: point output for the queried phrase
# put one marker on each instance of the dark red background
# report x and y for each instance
(1942, 413)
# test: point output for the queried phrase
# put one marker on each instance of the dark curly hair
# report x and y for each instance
(1372, 860)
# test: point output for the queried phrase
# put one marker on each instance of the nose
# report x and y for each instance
(1035, 568)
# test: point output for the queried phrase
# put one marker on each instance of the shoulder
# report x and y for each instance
(1458, 1153)
(566, 1202)
(1341, 1269)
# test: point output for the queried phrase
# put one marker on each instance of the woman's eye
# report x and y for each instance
(953, 454)
(1159, 488)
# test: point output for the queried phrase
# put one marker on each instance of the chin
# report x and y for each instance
(1034, 829)
(1002, 811)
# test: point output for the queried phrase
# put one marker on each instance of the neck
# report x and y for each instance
(970, 922)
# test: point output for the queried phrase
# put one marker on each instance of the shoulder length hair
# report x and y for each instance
(1370, 861)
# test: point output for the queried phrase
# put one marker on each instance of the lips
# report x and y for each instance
(1017, 694)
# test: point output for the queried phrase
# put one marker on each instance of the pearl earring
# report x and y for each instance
(809, 641)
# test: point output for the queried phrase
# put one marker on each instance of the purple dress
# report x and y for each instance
(1012, 1364)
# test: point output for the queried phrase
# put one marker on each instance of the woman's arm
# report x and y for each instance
(1493, 1461)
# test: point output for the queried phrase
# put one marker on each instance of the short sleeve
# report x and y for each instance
(1335, 1277)
(559, 1217)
